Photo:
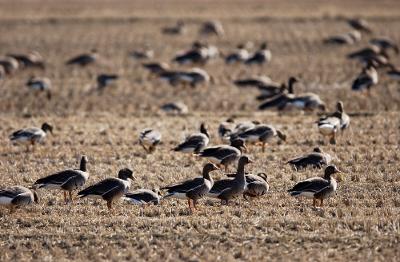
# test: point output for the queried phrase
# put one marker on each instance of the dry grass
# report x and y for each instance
(360, 223)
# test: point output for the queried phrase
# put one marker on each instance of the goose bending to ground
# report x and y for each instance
(331, 124)
(84, 59)
(226, 189)
(195, 142)
(366, 79)
(279, 101)
(317, 188)
(262, 56)
(175, 108)
(223, 154)
(226, 129)
(360, 25)
(149, 139)
(316, 159)
(67, 180)
(103, 80)
(30, 60)
(344, 39)
(42, 84)
(385, 43)
(213, 27)
(238, 56)
(16, 196)
(193, 189)
(110, 189)
(260, 134)
(9, 64)
(178, 29)
(142, 197)
(32, 135)
(256, 185)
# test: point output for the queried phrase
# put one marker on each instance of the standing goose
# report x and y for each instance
(360, 25)
(316, 159)
(67, 180)
(42, 84)
(110, 189)
(17, 196)
(262, 56)
(330, 125)
(261, 134)
(142, 197)
(84, 59)
(104, 80)
(193, 189)
(32, 135)
(317, 187)
(149, 139)
(366, 79)
(227, 189)
(223, 154)
(195, 142)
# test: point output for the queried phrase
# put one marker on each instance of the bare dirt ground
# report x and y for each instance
(360, 223)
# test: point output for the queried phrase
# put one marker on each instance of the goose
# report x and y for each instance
(260, 57)
(199, 54)
(394, 73)
(30, 60)
(385, 43)
(9, 64)
(194, 77)
(264, 84)
(156, 68)
(178, 29)
(344, 39)
(225, 129)
(316, 159)
(67, 180)
(149, 139)
(32, 135)
(212, 28)
(372, 52)
(104, 80)
(175, 108)
(193, 189)
(281, 99)
(195, 142)
(256, 81)
(226, 189)
(238, 56)
(244, 126)
(16, 196)
(322, 186)
(84, 59)
(223, 154)
(42, 84)
(331, 124)
(366, 79)
(256, 185)
(142, 197)
(110, 189)
(142, 54)
(360, 25)
(261, 133)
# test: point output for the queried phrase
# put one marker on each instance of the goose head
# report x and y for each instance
(317, 150)
(264, 46)
(203, 129)
(244, 160)
(125, 173)
(330, 170)
(281, 135)
(339, 106)
(84, 161)
(46, 127)
(209, 167)
(239, 144)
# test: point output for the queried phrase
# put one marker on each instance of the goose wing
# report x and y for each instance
(101, 187)
(312, 185)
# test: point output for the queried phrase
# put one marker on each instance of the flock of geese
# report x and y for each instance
(235, 137)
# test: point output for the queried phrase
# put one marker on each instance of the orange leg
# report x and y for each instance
(65, 196)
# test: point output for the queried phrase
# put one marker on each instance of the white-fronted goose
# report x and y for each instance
(260, 134)
(110, 189)
(366, 79)
(194, 77)
(223, 154)
(156, 68)
(193, 189)
(360, 25)
(142, 54)
(226, 189)
(256, 185)
(9, 64)
(16, 196)
(195, 142)
(331, 124)
(279, 101)
(178, 29)
(238, 56)
(212, 28)
(104, 80)
(385, 43)
(260, 57)
(316, 159)
(175, 108)
(264, 84)
(370, 53)
(84, 59)
(42, 84)
(32, 135)
(344, 39)
(149, 139)
(225, 130)
(317, 187)
(256, 81)
(198, 54)
(67, 180)
(30, 60)
(142, 197)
